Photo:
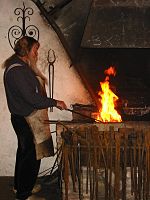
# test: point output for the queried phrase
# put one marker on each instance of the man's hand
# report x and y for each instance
(61, 105)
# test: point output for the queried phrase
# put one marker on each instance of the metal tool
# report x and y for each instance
(91, 118)
(51, 58)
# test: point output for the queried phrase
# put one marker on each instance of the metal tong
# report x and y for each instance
(51, 58)
(88, 117)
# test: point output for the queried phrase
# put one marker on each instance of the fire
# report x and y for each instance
(107, 112)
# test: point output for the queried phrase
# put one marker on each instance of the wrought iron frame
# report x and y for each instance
(15, 32)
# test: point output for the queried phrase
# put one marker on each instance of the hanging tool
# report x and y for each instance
(51, 58)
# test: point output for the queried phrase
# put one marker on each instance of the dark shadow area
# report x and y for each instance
(50, 188)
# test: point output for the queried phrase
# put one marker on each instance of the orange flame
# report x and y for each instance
(107, 112)
(110, 71)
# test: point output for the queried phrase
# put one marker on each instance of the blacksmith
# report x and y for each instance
(24, 98)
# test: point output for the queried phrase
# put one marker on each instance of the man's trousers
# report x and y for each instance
(27, 166)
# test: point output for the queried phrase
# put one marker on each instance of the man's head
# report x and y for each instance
(27, 48)
(24, 45)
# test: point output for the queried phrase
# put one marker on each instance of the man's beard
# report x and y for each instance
(32, 62)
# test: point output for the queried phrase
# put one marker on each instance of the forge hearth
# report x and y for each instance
(131, 83)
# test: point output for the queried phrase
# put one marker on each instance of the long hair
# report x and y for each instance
(22, 47)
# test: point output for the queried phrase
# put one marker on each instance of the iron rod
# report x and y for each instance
(83, 115)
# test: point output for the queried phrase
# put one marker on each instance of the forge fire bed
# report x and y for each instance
(104, 160)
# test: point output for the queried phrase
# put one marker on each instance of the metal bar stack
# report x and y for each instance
(110, 165)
